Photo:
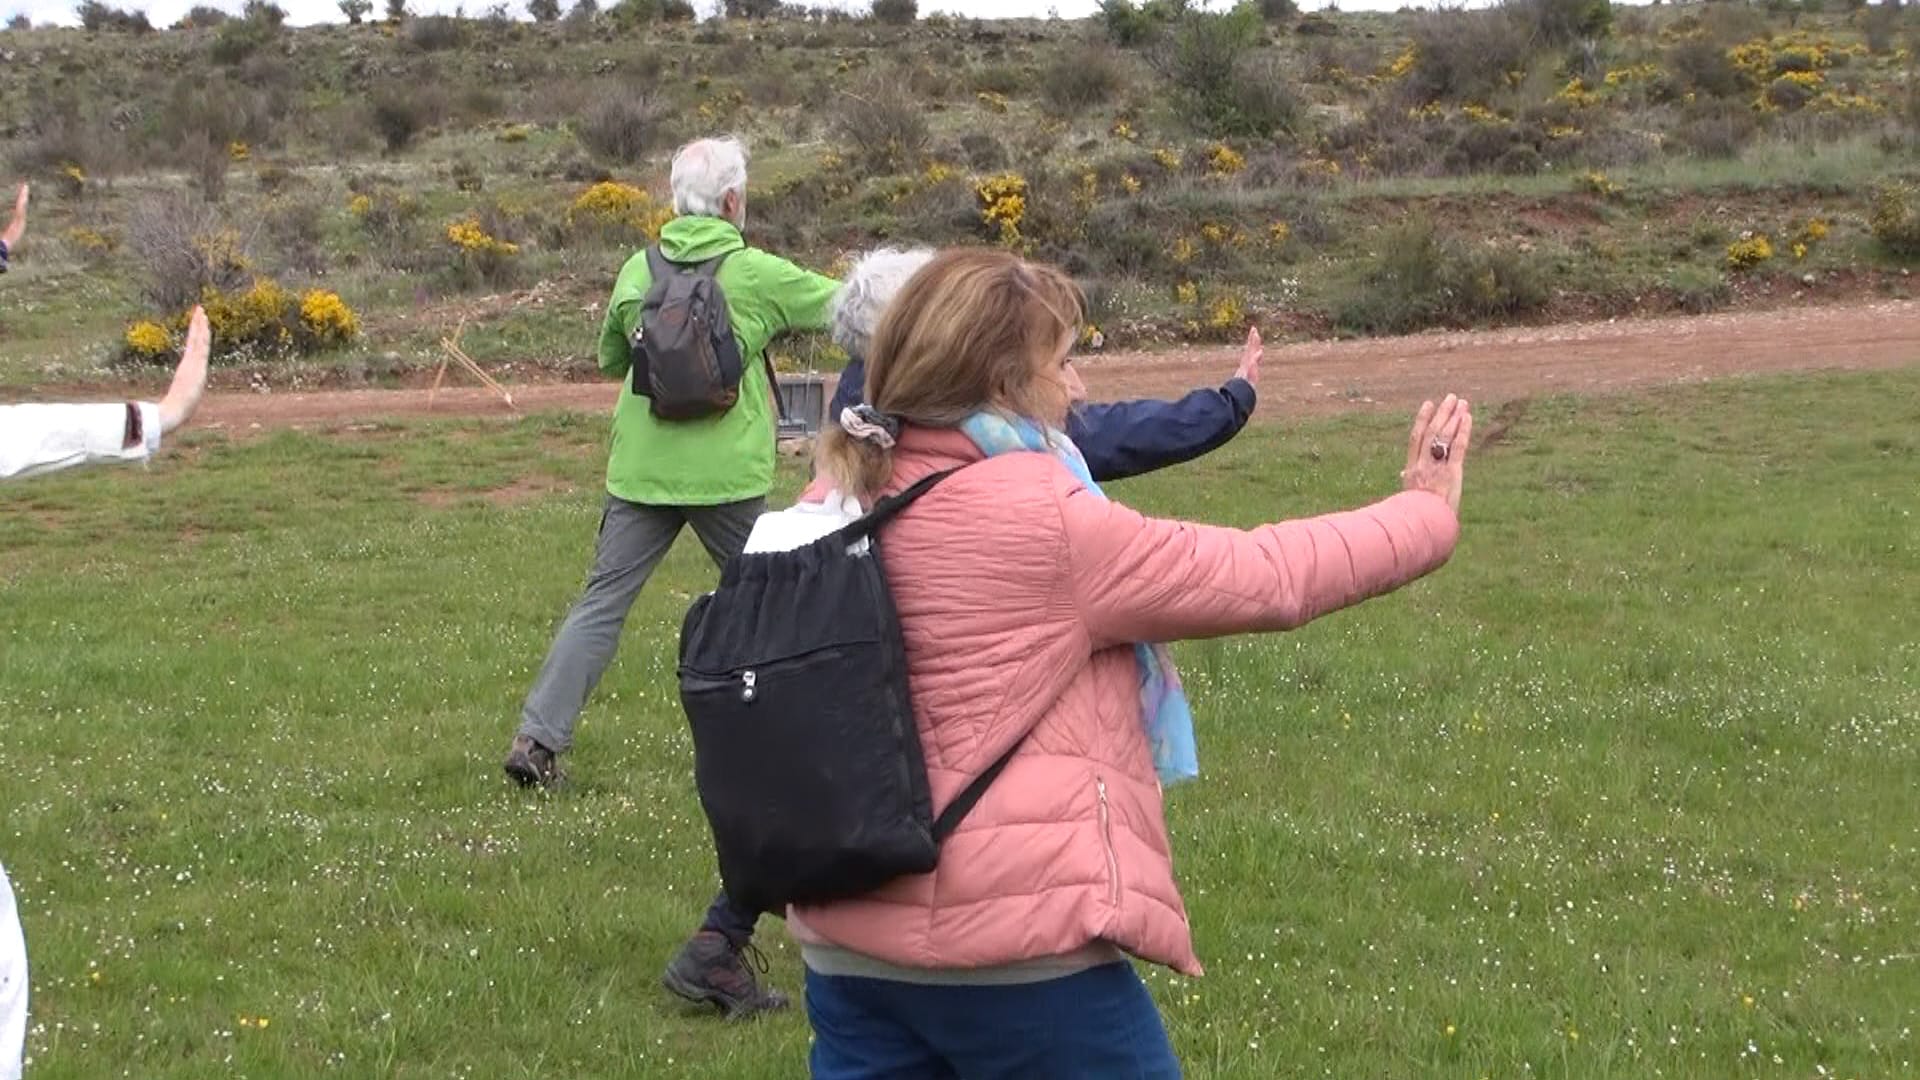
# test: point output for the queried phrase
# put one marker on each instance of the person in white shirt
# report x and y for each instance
(37, 439)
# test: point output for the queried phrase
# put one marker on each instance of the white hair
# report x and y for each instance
(870, 286)
(704, 171)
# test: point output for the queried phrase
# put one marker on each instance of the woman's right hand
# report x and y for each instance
(1437, 449)
(17, 226)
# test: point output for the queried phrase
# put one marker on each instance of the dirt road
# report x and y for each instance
(1317, 377)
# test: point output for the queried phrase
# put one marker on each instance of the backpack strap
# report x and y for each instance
(963, 803)
(659, 266)
(888, 508)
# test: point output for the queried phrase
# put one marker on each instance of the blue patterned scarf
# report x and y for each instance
(1164, 712)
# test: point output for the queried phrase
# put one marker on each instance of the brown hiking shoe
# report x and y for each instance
(710, 971)
(529, 763)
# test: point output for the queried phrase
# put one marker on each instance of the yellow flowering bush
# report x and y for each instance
(479, 253)
(1577, 94)
(73, 180)
(1224, 160)
(239, 151)
(1627, 76)
(1594, 182)
(1480, 114)
(360, 205)
(1003, 204)
(1318, 169)
(1279, 233)
(939, 172)
(613, 211)
(1750, 251)
(1183, 250)
(515, 133)
(326, 321)
(257, 317)
(91, 243)
(1562, 131)
(148, 341)
(1894, 218)
(995, 103)
(1167, 158)
(1402, 65)
(1123, 130)
(1187, 292)
(1130, 184)
(1225, 314)
(1431, 111)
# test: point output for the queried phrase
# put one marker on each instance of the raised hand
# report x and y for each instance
(1437, 449)
(190, 378)
(1250, 358)
(17, 226)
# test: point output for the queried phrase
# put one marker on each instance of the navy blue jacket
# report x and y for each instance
(1126, 438)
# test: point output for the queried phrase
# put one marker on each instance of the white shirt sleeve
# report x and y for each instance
(37, 439)
(13, 985)
(801, 524)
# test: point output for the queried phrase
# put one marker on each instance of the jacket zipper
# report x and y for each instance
(1106, 841)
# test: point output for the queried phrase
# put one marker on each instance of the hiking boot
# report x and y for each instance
(529, 763)
(710, 971)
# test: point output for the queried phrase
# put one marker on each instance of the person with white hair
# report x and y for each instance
(668, 469)
(1118, 439)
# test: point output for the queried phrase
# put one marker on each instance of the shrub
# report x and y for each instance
(201, 17)
(391, 220)
(182, 247)
(20, 22)
(434, 33)
(1749, 252)
(1130, 25)
(95, 15)
(1422, 278)
(1702, 67)
(1461, 56)
(896, 12)
(400, 113)
(617, 215)
(751, 9)
(1894, 218)
(1080, 79)
(1788, 94)
(207, 160)
(479, 255)
(1717, 129)
(1697, 289)
(293, 228)
(466, 176)
(621, 124)
(1003, 205)
(238, 39)
(1278, 10)
(1558, 23)
(357, 11)
(326, 322)
(883, 131)
(264, 12)
(396, 10)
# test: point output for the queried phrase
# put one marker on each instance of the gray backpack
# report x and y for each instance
(686, 362)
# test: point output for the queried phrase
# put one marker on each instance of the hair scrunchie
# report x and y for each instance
(870, 425)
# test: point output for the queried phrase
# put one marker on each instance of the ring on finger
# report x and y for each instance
(1440, 448)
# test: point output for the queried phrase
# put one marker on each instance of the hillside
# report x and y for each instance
(348, 194)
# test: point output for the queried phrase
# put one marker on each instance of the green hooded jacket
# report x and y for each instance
(716, 459)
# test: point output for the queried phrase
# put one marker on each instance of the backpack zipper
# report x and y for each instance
(747, 681)
(1106, 841)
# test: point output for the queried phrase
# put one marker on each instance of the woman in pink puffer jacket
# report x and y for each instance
(1025, 595)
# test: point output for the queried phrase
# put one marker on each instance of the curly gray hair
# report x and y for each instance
(869, 288)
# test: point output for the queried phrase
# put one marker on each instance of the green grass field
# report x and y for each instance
(1628, 790)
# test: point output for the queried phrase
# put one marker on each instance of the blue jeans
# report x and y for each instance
(1097, 1025)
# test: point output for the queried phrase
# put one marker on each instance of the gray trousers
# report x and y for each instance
(634, 537)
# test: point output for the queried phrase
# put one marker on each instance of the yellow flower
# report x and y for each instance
(1403, 64)
(1575, 93)
(619, 208)
(327, 319)
(1168, 159)
(939, 172)
(1003, 204)
(1225, 160)
(1749, 252)
(1747, 1000)
(239, 151)
(1450, 1030)
(515, 133)
(1799, 251)
(148, 340)
(996, 103)
(1130, 183)
(1186, 292)
(470, 238)
(1183, 250)
(1225, 313)
(1123, 130)
(1279, 232)
(1480, 114)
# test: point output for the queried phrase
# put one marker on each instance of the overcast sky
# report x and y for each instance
(301, 12)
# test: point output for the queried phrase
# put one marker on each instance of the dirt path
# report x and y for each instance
(1317, 377)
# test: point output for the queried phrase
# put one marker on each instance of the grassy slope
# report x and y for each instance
(1625, 791)
(1660, 244)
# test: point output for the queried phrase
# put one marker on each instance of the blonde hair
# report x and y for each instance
(966, 333)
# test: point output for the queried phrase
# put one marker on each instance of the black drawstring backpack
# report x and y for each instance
(793, 674)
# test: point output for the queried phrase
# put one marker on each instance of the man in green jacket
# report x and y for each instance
(712, 473)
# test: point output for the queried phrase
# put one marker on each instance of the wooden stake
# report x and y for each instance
(452, 348)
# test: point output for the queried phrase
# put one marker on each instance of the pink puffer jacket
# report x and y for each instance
(1020, 593)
